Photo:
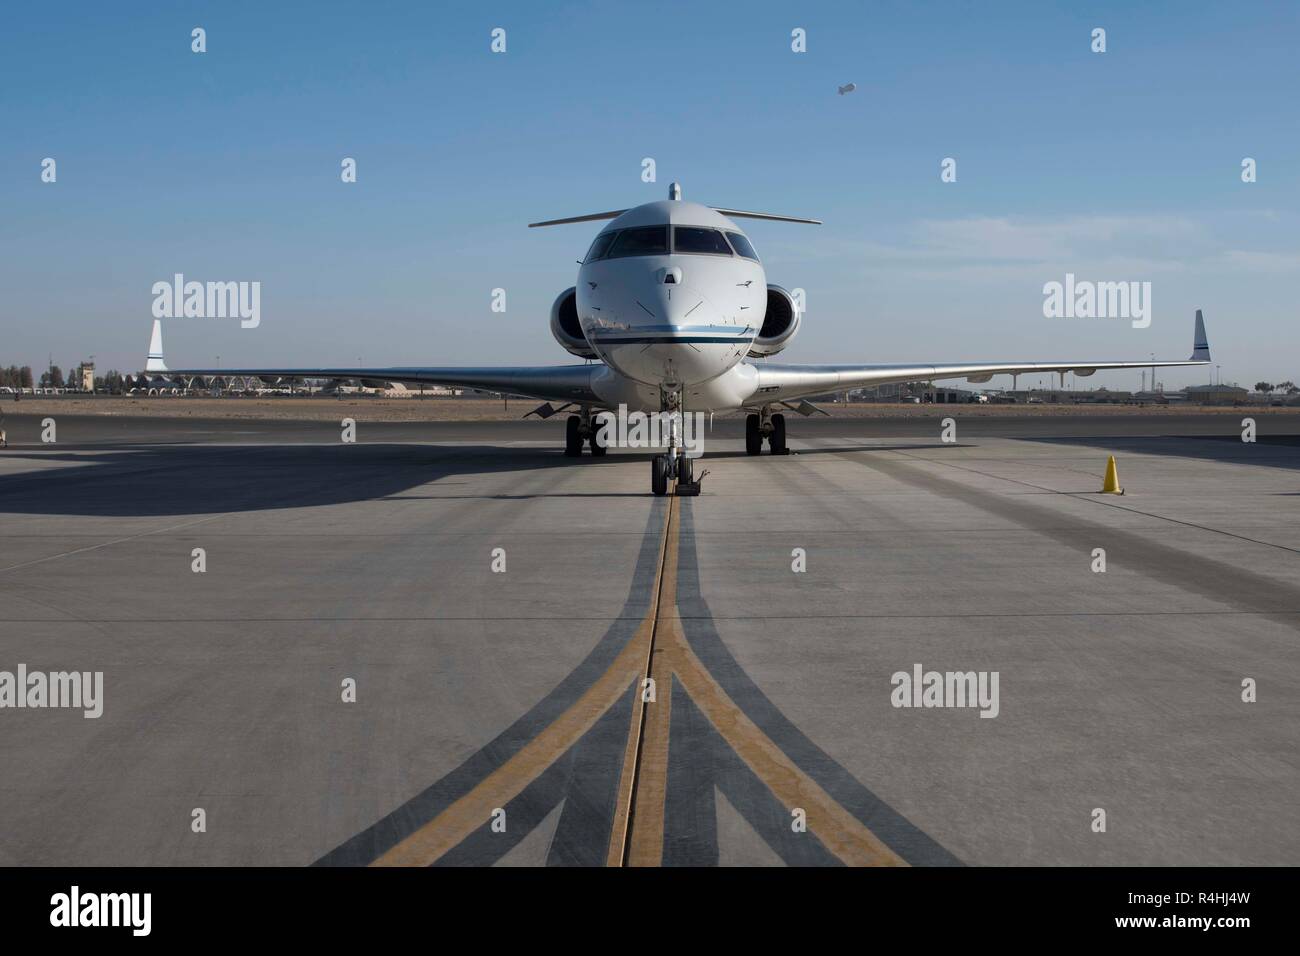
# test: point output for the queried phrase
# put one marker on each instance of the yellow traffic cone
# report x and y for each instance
(1111, 485)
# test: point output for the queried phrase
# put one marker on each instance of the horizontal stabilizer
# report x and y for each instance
(590, 217)
(675, 192)
(772, 217)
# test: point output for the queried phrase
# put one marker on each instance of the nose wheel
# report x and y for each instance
(659, 468)
(664, 468)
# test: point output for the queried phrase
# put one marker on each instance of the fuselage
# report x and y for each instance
(670, 296)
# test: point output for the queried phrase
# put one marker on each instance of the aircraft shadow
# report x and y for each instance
(194, 479)
(1275, 451)
(190, 479)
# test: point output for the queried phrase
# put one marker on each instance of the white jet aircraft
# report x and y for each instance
(671, 301)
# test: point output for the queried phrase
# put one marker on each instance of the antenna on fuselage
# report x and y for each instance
(674, 190)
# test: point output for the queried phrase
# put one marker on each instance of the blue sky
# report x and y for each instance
(225, 166)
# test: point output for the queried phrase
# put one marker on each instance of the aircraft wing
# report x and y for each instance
(565, 383)
(785, 382)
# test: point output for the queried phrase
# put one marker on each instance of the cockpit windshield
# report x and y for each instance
(742, 246)
(643, 241)
(653, 241)
(697, 240)
(600, 247)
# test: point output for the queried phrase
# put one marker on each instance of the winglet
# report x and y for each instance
(1200, 344)
(155, 363)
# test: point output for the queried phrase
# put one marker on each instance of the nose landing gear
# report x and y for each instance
(674, 464)
(664, 468)
(660, 467)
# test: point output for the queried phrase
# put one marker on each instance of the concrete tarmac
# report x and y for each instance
(499, 607)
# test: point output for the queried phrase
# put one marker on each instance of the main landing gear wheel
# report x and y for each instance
(598, 446)
(659, 475)
(776, 440)
(573, 437)
(753, 436)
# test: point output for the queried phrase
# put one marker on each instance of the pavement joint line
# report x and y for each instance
(451, 825)
(669, 658)
(625, 808)
(994, 615)
(105, 544)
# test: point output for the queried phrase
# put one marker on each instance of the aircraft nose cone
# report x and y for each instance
(683, 306)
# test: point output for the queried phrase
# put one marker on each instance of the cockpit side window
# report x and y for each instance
(600, 247)
(642, 241)
(742, 246)
(697, 240)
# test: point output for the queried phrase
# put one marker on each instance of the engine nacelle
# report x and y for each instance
(565, 325)
(780, 323)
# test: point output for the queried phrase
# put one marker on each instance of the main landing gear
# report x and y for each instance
(581, 430)
(765, 425)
